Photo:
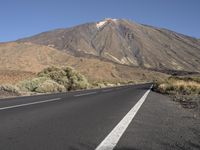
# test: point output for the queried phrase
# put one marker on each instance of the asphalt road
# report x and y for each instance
(133, 118)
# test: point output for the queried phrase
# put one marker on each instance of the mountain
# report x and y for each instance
(125, 42)
(113, 50)
(21, 60)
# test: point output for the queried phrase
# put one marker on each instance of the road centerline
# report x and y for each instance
(27, 104)
(84, 94)
(114, 136)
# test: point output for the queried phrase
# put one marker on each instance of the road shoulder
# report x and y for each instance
(162, 124)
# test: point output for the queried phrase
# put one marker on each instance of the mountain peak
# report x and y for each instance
(105, 21)
(126, 42)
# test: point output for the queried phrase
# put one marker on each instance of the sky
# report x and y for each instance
(23, 18)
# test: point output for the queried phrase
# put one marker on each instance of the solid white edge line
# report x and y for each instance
(27, 104)
(114, 136)
(85, 94)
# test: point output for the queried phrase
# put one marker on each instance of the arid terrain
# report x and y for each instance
(126, 42)
(29, 59)
(109, 51)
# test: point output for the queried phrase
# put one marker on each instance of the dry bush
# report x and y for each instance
(9, 90)
(176, 85)
(50, 86)
(31, 85)
(53, 79)
(185, 90)
(66, 76)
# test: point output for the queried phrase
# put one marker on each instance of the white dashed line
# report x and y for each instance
(113, 137)
(84, 94)
(27, 104)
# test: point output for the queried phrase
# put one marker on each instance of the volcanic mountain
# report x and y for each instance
(115, 50)
(19, 61)
(127, 43)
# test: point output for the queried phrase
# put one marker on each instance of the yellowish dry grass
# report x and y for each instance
(179, 85)
(182, 83)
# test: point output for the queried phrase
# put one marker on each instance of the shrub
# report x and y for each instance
(56, 74)
(50, 86)
(53, 73)
(178, 85)
(103, 84)
(9, 88)
(98, 85)
(66, 76)
(48, 70)
(53, 79)
(131, 82)
(78, 81)
(31, 85)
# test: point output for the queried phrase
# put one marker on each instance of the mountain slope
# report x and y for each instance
(22, 60)
(29, 57)
(126, 42)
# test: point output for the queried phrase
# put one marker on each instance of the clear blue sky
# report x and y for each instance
(21, 18)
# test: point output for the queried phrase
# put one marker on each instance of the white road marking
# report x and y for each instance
(27, 104)
(113, 137)
(85, 94)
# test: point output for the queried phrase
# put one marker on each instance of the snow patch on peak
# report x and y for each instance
(110, 19)
(115, 20)
(100, 24)
(106, 20)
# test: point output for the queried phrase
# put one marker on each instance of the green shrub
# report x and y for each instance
(64, 81)
(53, 73)
(78, 81)
(53, 79)
(31, 85)
(98, 85)
(48, 70)
(56, 74)
(50, 86)
(66, 76)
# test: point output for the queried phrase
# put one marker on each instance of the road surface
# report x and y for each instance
(121, 118)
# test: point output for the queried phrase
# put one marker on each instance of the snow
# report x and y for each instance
(115, 20)
(102, 23)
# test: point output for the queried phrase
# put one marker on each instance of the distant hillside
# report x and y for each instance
(22, 60)
(126, 42)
